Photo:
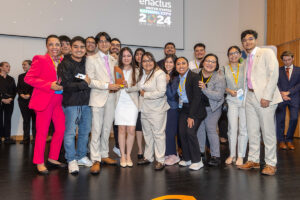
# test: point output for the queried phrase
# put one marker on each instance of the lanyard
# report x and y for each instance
(55, 63)
(206, 80)
(181, 87)
(236, 77)
(196, 64)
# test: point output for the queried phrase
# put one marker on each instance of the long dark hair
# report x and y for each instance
(156, 67)
(173, 73)
(213, 55)
(137, 50)
(133, 65)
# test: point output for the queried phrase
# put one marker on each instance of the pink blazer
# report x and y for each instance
(40, 76)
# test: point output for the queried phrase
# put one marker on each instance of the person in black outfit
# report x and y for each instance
(191, 113)
(24, 91)
(8, 92)
(169, 49)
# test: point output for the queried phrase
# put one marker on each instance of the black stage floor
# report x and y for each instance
(19, 180)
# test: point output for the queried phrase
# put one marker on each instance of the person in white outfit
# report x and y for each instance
(126, 112)
(234, 76)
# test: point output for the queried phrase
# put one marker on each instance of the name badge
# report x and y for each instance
(240, 94)
(180, 104)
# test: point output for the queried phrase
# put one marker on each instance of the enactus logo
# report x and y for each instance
(156, 3)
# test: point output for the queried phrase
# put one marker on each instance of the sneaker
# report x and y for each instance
(214, 161)
(185, 163)
(73, 167)
(172, 160)
(85, 161)
(196, 166)
(117, 151)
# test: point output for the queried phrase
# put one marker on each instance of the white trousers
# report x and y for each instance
(102, 119)
(263, 119)
(154, 126)
(237, 129)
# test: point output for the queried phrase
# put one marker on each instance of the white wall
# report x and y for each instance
(217, 23)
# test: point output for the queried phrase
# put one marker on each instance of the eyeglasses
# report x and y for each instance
(90, 42)
(103, 41)
(116, 45)
(210, 61)
(234, 53)
(249, 39)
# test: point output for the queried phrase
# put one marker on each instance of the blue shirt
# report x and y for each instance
(182, 94)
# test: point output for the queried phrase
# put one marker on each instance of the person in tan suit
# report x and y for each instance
(126, 112)
(154, 106)
(100, 69)
(261, 76)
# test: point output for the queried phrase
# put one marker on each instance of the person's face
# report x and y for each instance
(103, 45)
(287, 60)
(90, 45)
(199, 53)
(115, 47)
(170, 50)
(65, 48)
(5, 68)
(182, 66)
(78, 49)
(234, 55)
(53, 47)
(148, 64)
(210, 64)
(138, 56)
(126, 58)
(25, 66)
(169, 64)
(249, 42)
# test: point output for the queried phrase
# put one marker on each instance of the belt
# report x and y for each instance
(250, 90)
(112, 91)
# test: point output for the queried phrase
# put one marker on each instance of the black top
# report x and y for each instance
(161, 63)
(8, 87)
(22, 87)
(76, 91)
(204, 97)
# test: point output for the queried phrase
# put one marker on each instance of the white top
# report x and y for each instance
(194, 64)
(290, 70)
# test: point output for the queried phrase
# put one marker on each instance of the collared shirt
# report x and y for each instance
(192, 64)
(252, 54)
(102, 55)
(182, 94)
(290, 70)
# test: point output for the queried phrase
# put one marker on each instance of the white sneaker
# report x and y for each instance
(184, 163)
(85, 161)
(196, 166)
(73, 167)
(117, 151)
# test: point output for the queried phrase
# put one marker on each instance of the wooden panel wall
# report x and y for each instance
(283, 31)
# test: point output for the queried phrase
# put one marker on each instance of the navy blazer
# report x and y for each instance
(171, 92)
(292, 85)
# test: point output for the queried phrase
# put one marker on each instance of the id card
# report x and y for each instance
(80, 76)
(180, 104)
(240, 94)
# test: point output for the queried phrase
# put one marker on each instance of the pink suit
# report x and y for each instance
(47, 106)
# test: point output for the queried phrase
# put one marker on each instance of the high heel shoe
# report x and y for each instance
(52, 165)
(129, 163)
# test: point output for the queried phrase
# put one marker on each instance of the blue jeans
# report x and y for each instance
(80, 116)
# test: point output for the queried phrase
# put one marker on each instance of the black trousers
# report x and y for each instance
(223, 125)
(188, 137)
(6, 111)
(116, 135)
(28, 115)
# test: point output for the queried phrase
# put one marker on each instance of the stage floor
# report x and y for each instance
(19, 180)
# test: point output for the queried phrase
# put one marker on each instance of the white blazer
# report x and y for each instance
(96, 70)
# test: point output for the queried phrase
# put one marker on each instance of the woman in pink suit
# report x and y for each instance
(46, 100)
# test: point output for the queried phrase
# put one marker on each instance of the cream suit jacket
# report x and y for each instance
(264, 76)
(134, 95)
(155, 99)
(96, 70)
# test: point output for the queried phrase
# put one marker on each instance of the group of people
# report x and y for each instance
(173, 105)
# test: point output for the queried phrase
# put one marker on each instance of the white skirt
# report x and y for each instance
(126, 112)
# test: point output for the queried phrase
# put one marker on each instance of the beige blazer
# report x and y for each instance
(264, 76)
(96, 70)
(134, 95)
(155, 99)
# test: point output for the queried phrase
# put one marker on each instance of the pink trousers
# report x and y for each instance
(55, 112)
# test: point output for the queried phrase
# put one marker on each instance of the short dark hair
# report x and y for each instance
(116, 39)
(249, 32)
(77, 38)
(199, 45)
(2, 63)
(28, 61)
(210, 54)
(107, 37)
(51, 36)
(233, 47)
(92, 37)
(64, 38)
(286, 53)
(170, 43)
(187, 61)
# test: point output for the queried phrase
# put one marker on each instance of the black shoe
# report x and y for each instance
(214, 161)
(143, 162)
(25, 142)
(44, 172)
(203, 157)
(0, 141)
(33, 141)
(140, 156)
(51, 165)
(9, 141)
